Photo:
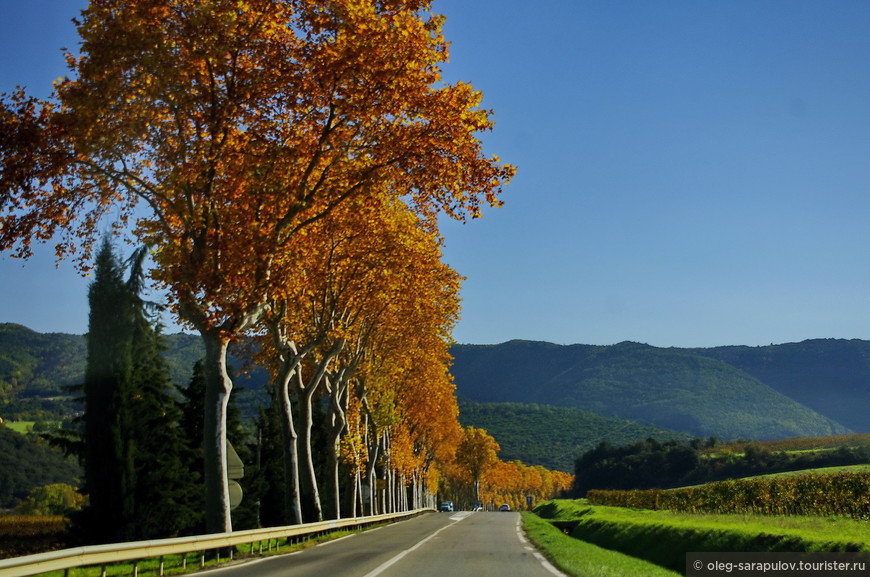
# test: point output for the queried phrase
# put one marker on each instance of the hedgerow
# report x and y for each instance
(838, 494)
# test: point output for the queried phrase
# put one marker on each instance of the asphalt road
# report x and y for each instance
(458, 544)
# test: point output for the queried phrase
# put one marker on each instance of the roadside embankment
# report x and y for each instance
(664, 538)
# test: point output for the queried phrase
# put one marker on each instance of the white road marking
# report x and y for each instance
(548, 566)
(387, 564)
(331, 541)
(521, 535)
(460, 515)
(541, 559)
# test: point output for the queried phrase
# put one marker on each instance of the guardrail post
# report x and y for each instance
(201, 559)
(135, 569)
(160, 569)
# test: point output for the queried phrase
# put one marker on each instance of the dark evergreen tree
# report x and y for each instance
(134, 454)
(193, 410)
(192, 424)
(270, 484)
(246, 515)
(166, 492)
(109, 445)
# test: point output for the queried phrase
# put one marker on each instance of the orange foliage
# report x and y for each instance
(282, 158)
(238, 125)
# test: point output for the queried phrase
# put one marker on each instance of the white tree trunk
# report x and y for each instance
(218, 387)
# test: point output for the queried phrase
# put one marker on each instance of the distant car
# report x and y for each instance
(446, 506)
(505, 507)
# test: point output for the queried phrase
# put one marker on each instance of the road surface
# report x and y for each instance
(460, 544)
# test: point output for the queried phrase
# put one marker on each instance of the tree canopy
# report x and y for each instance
(218, 133)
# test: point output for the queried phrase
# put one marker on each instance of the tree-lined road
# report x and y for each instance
(459, 544)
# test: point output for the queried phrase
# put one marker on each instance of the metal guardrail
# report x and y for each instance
(97, 555)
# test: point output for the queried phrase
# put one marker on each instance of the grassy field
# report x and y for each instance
(819, 471)
(664, 538)
(20, 426)
(580, 559)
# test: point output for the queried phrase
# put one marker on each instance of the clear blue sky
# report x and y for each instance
(691, 173)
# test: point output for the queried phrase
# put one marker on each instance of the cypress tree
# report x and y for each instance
(134, 454)
(109, 445)
(165, 494)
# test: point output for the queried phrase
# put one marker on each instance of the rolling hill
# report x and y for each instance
(677, 389)
(37, 369)
(808, 389)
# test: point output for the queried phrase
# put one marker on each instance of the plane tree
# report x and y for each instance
(373, 276)
(476, 455)
(217, 131)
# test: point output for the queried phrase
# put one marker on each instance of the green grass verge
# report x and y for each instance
(579, 559)
(664, 538)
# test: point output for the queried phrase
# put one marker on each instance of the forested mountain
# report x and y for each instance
(679, 389)
(553, 436)
(830, 376)
(813, 388)
(37, 369)
(34, 364)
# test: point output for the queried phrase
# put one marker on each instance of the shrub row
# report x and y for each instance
(799, 444)
(840, 494)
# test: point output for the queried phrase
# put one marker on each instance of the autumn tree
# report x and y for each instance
(217, 132)
(399, 315)
(372, 276)
(476, 454)
(412, 364)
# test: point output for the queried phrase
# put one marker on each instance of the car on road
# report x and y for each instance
(446, 506)
(505, 507)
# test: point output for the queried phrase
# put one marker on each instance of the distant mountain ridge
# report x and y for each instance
(693, 390)
(813, 388)
(830, 376)
(36, 370)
